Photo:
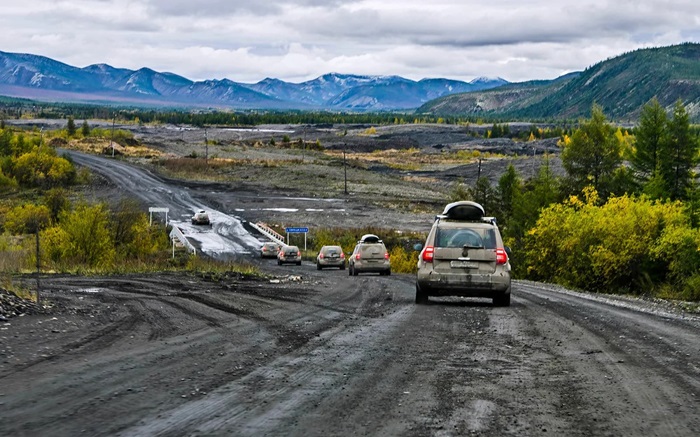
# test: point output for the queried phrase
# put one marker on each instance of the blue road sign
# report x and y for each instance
(297, 230)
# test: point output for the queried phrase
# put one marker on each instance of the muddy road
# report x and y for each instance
(306, 352)
(323, 353)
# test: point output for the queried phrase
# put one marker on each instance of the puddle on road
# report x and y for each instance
(89, 290)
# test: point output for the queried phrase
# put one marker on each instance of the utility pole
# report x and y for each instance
(38, 266)
(345, 170)
(111, 140)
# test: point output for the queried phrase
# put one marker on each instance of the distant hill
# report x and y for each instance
(42, 78)
(621, 85)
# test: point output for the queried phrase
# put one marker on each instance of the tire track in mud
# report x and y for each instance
(636, 352)
(100, 339)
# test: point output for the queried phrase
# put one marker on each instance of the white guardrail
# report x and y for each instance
(176, 234)
(268, 232)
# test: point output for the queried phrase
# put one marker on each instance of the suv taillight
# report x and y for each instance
(501, 256)
(342, 255)
(386, 255)
(357, 256)
(428, 254)
(320, 255)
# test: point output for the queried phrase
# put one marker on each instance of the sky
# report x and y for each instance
(299, 40)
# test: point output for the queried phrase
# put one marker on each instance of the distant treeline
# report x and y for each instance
(12, 108)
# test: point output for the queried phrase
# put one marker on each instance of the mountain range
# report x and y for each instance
(621, 86)
(41, 78)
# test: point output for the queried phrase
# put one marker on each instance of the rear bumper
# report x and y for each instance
(331, 263)
(474, 285)
(372, 267)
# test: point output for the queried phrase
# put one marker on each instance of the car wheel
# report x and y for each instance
(354, 271)
(342, 267)
(421, 295)
(388, 272)
(279, 263)
(298, 263)
(318, 266)
(502, 300)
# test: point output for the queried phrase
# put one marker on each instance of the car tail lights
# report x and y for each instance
(357, 257)
(501, 256)
(428, 254)
(386, 255)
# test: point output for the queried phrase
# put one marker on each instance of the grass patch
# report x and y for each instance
(103, 146)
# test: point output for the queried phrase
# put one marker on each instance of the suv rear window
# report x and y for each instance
(459, 237)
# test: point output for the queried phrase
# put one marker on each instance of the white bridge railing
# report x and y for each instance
(268, 231)
(176, 234)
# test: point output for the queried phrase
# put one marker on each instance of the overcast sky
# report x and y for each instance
(298, 40)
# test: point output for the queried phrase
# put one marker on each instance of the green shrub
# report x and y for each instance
(403, 261)
(619, 246)
(25, 219)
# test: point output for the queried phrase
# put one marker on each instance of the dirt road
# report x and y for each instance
(307, 352)
(323, 353)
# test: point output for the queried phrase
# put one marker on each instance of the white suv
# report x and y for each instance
(464, 255)
(370, 255)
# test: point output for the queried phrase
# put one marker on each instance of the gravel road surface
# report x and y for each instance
(323, 353)
(306, 352)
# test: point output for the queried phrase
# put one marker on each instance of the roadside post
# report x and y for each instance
(153, 209)
(303, 230)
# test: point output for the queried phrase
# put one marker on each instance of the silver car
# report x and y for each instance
(369, 256)
(200, 218)
(330, 256)
(289, 255)
(269, 250)
(464, 255)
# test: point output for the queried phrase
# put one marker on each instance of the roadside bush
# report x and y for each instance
(679, 249)
(403, 261)
(25, 219)
(56, 200)
(41, 167)
(55, 247)
(89, 239)
(606, 247)
(6, 182)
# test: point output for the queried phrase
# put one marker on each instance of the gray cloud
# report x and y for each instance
(298, 40)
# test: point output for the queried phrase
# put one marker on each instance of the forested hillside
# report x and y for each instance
(621, 86)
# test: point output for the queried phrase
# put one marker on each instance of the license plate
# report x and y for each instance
(463, 265)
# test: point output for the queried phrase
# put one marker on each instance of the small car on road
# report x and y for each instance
(464, 255)
(369, 256)
(330, 256)
(270, 250)
(201, 218)
(289, 255)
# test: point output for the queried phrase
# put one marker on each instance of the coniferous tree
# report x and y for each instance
(680, 155)
(70, 126)
(509, 192)
(650, 136)
(593, 155)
